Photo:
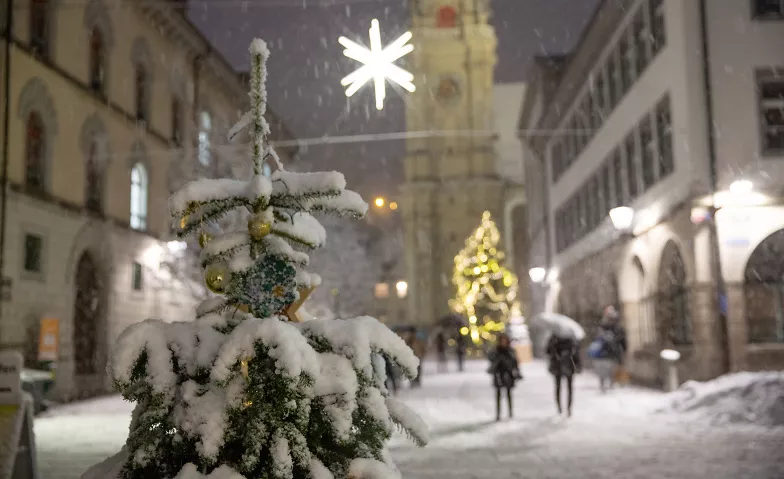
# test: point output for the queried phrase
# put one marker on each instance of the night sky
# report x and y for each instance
(307, 64)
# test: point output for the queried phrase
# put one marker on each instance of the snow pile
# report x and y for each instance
(750, 398)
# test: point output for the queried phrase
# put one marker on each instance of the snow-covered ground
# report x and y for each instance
(629, 433)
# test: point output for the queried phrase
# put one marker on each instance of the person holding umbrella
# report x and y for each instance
(564, 354)
(505, 371)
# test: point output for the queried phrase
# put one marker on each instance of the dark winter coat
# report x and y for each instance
(614, 342)
(504, 367)
(564, 354)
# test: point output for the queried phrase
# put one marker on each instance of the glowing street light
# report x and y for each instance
(741, 186)
(402, 289)
(377, 64)
(537, 274)
(622, 218)
(379, 202)
(393, 205)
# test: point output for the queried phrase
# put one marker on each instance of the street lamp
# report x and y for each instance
(402, 289)
(622, 218)
(537, 274)
(379, 202)
(393, 205)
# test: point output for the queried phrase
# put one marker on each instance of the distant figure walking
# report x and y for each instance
(391, 375)
(441, 352)
(608, 349)
(564, 354)
(505, 372)
(460, 351)
(419, 346)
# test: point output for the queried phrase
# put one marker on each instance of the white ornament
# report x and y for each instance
(378, 64)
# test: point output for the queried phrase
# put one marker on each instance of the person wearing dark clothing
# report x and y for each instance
(391, 379)
(505, 372)
(564, 354)
(460, 351)
(608, 349)
(441, 352)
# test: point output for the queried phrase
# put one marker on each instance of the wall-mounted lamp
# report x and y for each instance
(622, 218)
(537, 274)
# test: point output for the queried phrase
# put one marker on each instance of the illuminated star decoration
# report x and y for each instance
(377, 64)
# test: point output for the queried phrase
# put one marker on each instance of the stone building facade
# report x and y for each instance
(450, 177)
(110, 104)
(676, 110)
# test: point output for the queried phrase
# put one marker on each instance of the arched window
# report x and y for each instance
(205, 127)
(141, 93)
(39, 27)
(764, 291)
(674, 314)
(139, 187)
(447, 17)
(176, 122)
(87, 317)
(97, 58)
(35, 150)
(93, 187)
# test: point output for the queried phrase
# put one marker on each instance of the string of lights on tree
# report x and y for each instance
(485, 290)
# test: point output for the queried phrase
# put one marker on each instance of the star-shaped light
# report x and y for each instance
(378, 64)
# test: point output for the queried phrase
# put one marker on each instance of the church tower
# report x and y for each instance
(451, 175)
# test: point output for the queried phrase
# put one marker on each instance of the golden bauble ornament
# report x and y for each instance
(216, 276)
(278, 291)
(258, 228)
(184, 221)
(204, 238)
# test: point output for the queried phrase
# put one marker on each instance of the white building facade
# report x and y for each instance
(676, 110)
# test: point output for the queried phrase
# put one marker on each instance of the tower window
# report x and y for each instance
(447, 17)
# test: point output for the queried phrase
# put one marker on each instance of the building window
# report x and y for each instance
(630, 152)
(770, 87)
(615, 82)
(626, 54)
(137, 278)
(33, 250)
(642, 38)
(139, 187)
(93, 185)
(176, 122)
(35, 151)
(142, 93)
(381, 290)
(769, 9)
(39, 27)
(648, 150)
(664, 136)
(205, 127)
(617, 167)
(447, 17)
(97, 58)
(675, 297)
(764, 291)
(658, 26)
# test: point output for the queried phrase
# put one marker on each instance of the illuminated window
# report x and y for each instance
(205, 127)
(382, 290)
(139, 185)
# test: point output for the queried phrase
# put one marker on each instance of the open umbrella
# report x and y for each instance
(560, 325)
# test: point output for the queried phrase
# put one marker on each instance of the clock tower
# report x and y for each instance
(451, 175)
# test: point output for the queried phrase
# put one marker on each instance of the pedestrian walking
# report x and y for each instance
(419, 346)
(505, 372)
(608, 349)
(460, 351)
(564, 354)
(441, 351)
(391, 375)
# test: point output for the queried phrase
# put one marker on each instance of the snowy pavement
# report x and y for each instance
(617, 435)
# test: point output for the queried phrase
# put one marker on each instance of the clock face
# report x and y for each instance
(448, 89)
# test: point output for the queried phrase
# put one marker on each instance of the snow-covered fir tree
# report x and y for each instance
(245, 390)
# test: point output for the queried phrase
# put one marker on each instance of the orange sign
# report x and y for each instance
(49, 340)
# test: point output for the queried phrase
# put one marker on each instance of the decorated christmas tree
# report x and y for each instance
(485, 290)
(246, 390)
